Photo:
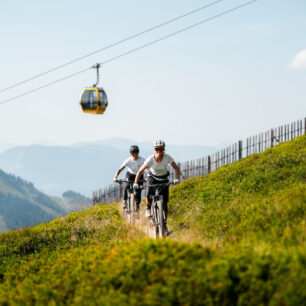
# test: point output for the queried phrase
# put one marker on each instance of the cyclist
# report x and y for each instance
(133, 164)
(157, 164)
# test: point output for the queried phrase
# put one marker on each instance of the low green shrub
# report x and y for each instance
(149, 272)
(101, 224)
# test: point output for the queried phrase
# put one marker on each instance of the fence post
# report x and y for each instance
(272, 138)
(93, 198)
(108, 194)
(240, 149)
(209, 164)
(247, 146)
(113, 194)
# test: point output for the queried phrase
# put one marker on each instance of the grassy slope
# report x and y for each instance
(249, 218)
(259, 199)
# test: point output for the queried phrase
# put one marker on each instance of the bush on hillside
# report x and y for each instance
(151, 272)
(101, 224)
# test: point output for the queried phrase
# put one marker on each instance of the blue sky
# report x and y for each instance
(220, 82)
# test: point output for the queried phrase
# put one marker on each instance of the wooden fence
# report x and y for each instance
(202, 166)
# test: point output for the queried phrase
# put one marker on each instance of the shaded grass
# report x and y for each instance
(149, 272)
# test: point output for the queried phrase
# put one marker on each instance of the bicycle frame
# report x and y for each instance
(131, 204)
(157, 210)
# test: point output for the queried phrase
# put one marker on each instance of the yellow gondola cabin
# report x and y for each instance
(94, 100)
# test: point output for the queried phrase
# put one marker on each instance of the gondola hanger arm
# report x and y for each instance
(97, 67)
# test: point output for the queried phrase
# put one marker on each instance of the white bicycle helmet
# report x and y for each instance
(159, 144)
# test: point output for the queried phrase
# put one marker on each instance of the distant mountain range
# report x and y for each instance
(22, 205)
(82, 167)
(5, 146)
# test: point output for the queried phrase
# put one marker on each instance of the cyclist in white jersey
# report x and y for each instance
(133, 164)
(157, 164)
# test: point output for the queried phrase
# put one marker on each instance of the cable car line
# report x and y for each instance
(112, 45)
(135, 49)
(44, 86)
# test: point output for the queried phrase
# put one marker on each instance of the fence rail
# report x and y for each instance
(202, 166)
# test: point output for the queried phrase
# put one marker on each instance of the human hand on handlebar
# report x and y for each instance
(115, 180)
(175, 182)
(135, 186)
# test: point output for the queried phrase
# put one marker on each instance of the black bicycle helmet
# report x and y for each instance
(134, 149)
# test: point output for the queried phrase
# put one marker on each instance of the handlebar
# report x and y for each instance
(121, 181)
(125, 181)
(170, 183)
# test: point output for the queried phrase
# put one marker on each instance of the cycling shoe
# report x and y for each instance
(166, 231)
(148, 212)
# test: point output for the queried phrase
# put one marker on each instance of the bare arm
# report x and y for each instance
(140, 172)
(176, 169)
(118, 172)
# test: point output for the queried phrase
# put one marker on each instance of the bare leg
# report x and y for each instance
(148, 203)
(148, 210)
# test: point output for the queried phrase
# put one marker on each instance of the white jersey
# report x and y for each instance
(161, 168)
(133, 165)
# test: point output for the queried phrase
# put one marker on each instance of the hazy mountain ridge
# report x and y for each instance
(22, 205)
(73, 201)
(82, 167)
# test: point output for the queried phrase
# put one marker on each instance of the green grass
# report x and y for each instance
(261, 197)
(99, 225)
(244, 224)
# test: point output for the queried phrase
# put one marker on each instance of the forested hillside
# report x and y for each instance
(238, 237)
(22, 205)
(73, 201)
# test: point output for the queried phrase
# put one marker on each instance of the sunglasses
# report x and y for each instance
(159, 149)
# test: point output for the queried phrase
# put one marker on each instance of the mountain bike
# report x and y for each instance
(131, 207)
(157, 212)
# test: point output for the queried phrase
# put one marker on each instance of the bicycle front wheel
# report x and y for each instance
(160, 218)
(129, 210)
(155, 220)
(132, 208)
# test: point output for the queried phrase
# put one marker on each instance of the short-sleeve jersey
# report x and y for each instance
(161, 168)
(133, 165)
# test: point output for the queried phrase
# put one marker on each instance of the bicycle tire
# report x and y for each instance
(160, 217)
(133, 207)
(154, 214)
(128, 210)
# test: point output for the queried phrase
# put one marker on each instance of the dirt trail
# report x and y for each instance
(140, 222)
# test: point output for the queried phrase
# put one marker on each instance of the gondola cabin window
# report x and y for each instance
(89, 100)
